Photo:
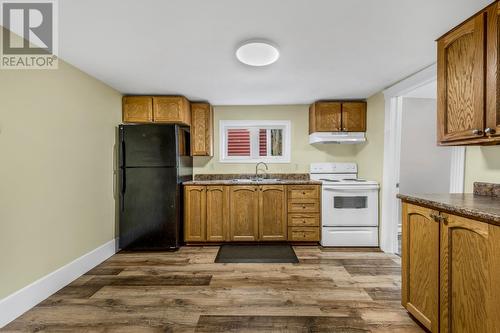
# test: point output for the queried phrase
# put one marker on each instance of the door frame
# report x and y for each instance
(391, 206)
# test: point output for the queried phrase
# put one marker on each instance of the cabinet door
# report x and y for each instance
(272, 213)
(493, 72)
(217, 206)
(470, 276)
(461, 82)
(201, 129)
(137, 109)
(325, 117)
(244, 213)
(195, 213)
(420, 265)
(171, 109)
(354, 117)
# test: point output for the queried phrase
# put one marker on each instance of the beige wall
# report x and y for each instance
(482, 164)
(57, 132)
(369, 155)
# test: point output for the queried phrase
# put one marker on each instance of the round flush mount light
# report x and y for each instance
(257, 53)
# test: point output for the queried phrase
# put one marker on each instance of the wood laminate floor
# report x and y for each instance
(184, 291)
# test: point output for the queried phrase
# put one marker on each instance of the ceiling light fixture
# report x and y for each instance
(257, 53)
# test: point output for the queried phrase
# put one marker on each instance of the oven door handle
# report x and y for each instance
(349, 188)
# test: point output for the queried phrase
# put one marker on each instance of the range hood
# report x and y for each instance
(337, 137)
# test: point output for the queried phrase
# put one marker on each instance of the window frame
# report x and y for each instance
(285, 125)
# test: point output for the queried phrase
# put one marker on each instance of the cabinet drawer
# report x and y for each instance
(305, 234)
(303, 192)
(303, 220)
(303, 206)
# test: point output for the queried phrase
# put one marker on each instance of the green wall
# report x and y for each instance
(369, 155)
(57, 137)
(482, 164)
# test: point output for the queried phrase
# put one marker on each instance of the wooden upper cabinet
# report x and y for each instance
(244, 213)
(172, 110)
(420, 265)
(272, 213)
(137, 109)
(217, 213)
(461, 82)
(348, 116)
(493, 71)
(354, 117)
(470, 276)
(325, 117)
(195, 213)
(201, 129)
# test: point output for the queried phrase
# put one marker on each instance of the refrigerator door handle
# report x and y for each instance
(123, 187)
(122, 153)
(123, 181)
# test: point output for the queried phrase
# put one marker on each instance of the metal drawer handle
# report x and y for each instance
(477, 132)
(490, 131)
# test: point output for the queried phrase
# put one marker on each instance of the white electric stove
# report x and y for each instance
(349, 205)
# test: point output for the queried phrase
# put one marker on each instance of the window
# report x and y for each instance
(254, 141)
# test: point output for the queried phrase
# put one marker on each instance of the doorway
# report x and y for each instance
(424, 166)
(413, 162)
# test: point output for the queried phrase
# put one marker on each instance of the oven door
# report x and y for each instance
(349, 206)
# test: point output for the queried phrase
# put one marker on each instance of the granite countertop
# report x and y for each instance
(254, 182)
(270, 179)
(481, 207)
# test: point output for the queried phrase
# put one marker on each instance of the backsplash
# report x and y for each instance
(227, 176)
(487, 189)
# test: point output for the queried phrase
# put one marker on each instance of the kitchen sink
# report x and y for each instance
(252, 180)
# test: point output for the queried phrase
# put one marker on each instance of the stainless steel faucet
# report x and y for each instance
(257, 169)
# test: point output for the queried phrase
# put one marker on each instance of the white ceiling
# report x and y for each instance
(329, 48)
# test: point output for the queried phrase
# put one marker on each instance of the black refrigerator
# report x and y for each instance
(154, 161)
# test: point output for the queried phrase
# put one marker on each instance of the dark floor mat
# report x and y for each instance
(279, 253)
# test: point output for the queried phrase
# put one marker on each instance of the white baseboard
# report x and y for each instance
(22, 300)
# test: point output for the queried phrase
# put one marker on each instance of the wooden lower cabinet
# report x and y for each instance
(304, 213)
(450, 271)
(272, 213)
(303, 234)
(420, 265)
(217, 213)
(195, 213)
(247, 213)
(244, 213)
(470, 275)
(303, 220)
